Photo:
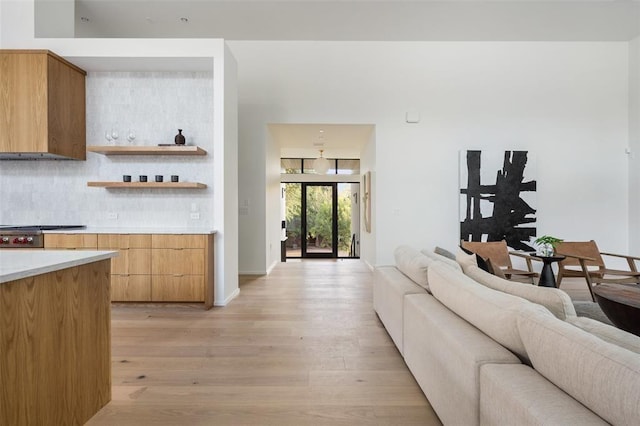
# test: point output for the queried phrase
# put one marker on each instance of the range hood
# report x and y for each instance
(42, 110)
(32, 156)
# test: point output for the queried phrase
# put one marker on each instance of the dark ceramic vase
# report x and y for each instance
(179, 139)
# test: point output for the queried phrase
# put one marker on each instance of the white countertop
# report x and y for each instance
(132, 230)
(18, 264)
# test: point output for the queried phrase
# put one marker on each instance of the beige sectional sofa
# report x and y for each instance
(493, 352)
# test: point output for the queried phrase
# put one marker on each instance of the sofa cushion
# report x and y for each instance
(445, 354)
(514, 394)
(438, 257)
(493, 312)
(602, 376)
(556, 301)
(389, 289)
(413, 264)
(607, 333)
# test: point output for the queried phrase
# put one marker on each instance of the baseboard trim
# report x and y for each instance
(252, 273)
(270, 268)
(232, 296)
(370, 266)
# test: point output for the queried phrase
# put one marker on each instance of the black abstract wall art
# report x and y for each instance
(497, 197)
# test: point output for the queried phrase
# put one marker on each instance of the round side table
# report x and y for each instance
(547, 279)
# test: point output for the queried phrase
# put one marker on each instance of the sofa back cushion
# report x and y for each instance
(602, 376)
(493, 312)
(607, 333)
(556, 301)
(440, 258)
(413, 264)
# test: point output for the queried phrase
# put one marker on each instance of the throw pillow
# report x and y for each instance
(435, 256)
(413, 264)
(444, 252)
(480, 261)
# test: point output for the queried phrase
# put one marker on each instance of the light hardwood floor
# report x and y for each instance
(302, 346)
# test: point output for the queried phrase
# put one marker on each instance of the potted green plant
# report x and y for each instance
(547, 245)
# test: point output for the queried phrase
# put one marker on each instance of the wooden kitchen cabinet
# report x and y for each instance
(178, 288)
(152, 267)
(130, 288)
(178, 267)
(43, 105)
(71, 241)
(131, 270)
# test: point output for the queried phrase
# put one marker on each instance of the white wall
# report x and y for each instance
(226, 176)
(634, 145)
(272, 204)
(368, 248)
(565, 101)
(54, 18)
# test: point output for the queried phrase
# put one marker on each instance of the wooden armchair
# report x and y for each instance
(500, 256)
(584, 260)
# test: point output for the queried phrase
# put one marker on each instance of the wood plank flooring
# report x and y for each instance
(301, 346)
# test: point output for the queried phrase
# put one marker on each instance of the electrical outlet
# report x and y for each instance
(112, 215)
(195, 216)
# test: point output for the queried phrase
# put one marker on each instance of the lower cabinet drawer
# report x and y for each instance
(130, 288)
(177, 288)
(177, 261)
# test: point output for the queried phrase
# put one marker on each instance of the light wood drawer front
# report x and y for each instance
(123, 241)
(178, 241)
(177, 261)
(173, 288)
(132, 261)
(71, 241)
(130, 288)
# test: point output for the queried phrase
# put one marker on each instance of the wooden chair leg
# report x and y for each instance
(559, 279)
(587, 278)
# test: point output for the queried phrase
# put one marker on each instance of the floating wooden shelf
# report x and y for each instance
(148, 150)
(167, 185)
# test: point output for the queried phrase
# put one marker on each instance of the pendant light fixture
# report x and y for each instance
(321, 165)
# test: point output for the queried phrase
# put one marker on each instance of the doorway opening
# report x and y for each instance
(322, 220)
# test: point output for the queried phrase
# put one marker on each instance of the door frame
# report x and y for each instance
(334, 221)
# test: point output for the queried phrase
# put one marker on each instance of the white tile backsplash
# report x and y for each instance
(154, 105)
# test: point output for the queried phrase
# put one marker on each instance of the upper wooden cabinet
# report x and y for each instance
(42, 106)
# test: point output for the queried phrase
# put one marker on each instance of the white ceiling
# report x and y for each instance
(306, 140)
(392, 20)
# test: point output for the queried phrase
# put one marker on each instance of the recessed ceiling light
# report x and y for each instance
(184, 20)
(84, 19)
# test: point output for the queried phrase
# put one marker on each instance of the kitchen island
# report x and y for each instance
(55, 336)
